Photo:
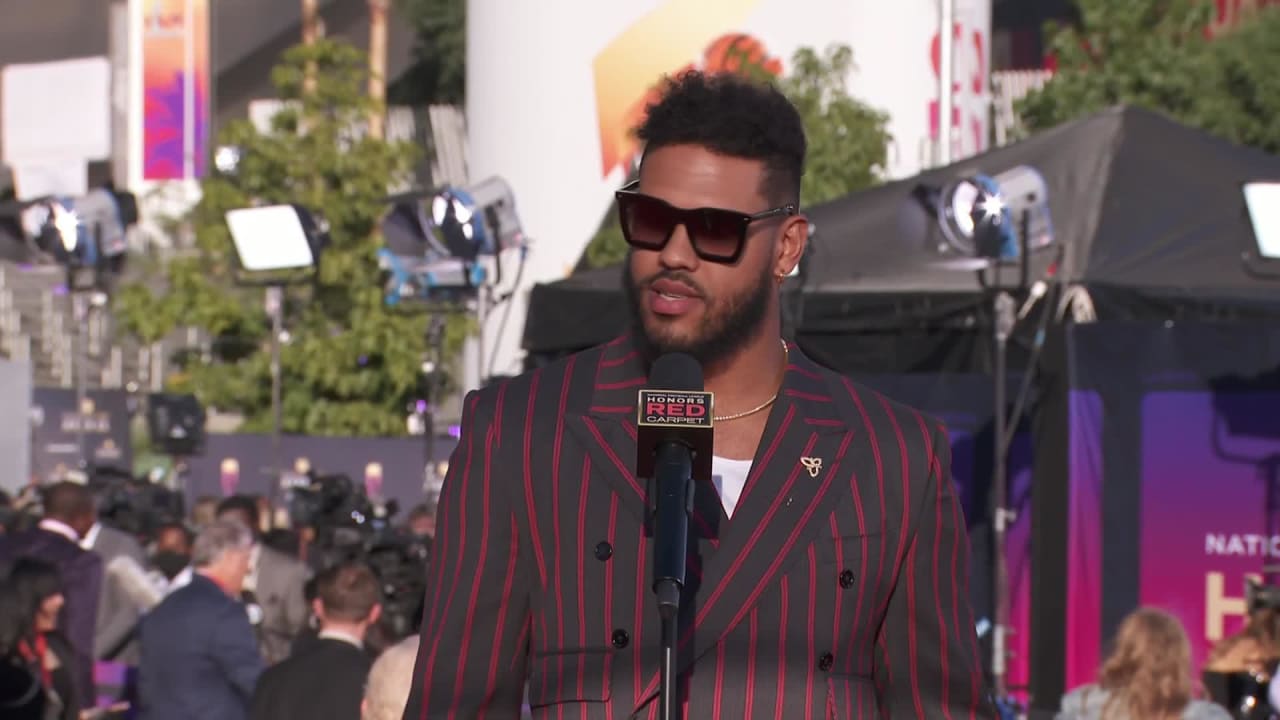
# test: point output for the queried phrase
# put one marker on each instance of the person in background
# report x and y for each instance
(1147, 676)
(387, 691)
(30, 601)
(325, 679)
(274, 584)
(68, 517)
(200, 660)
(171, 554)
(421, 522)
(204, 511)
(126, 594)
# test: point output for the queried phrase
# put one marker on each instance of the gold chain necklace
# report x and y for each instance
(786, 356)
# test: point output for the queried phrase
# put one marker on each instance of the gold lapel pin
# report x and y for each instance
(812, 464)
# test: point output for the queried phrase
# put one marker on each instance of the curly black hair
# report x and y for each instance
(731, 115)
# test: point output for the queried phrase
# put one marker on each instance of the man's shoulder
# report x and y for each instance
(281, 563)
(497, 397)
(865, 405)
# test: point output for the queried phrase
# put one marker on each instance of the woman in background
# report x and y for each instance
(32, 597)
(1147, 676)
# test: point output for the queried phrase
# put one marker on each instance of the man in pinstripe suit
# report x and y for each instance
(828, 566)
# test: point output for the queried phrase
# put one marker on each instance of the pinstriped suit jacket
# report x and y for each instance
(835, 594)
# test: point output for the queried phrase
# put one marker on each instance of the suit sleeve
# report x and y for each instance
(472, 655)
(235, 651)
(929, 664)
(82, 588)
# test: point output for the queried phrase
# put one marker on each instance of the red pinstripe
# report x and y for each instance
(753, 630)
(452, 582)
(613, 457)
(608, 593)
(613, 409)
(638, 623)
(622, 384)
(884, 515)
(528, 474)
(907, 558)
(812, 651)
(717, 693)
(464, 646)
(812, 397)
(581, 553)
(835, 621)
(495, 650)
(784, 615)
(615, 362)
(862, 581)
(936, 471)
(521, 639)
(556, 449)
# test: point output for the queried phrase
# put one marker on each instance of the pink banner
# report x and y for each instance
(175, 58)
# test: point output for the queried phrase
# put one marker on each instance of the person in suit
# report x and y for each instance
(125, 595)
(275, 584)
(828, 565)
(68, 515)
(325, 680)
(200, 659)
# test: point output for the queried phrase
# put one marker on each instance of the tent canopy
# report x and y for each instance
(1146, 211)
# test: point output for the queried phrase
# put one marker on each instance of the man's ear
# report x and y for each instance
(317, 609)
(791, 245)
(375, 614)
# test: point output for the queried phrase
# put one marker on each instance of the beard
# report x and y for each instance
(728, 324)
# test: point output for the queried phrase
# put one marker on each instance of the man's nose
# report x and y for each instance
(678, 252)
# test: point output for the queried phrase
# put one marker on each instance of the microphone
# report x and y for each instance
(673, 449)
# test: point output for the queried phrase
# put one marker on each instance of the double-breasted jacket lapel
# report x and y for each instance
(800, 472)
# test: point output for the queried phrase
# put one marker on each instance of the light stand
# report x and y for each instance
(80, 313)
(274, 305)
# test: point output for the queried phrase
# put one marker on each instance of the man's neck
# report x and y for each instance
(352, 633)
(214, 577)
(60, 527)
(750, 377)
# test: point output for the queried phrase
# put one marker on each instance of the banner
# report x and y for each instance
(175, 82)
(388, 468)
(1175, 472)
(57, 424)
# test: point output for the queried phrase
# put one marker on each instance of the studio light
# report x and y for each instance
(988, 219)
(434, 242)
(1262, 203)
(276, 238)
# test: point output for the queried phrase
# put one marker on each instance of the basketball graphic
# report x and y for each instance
(302, 466)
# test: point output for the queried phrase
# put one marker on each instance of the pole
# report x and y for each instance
(80, 311)
(1005, 318)
(310, 33)
(946, 79)
(377, 67)
(189, 94)
(275, 310)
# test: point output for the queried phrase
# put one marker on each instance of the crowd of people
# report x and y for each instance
(210, 616)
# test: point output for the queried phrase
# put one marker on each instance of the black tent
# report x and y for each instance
(1148, 213)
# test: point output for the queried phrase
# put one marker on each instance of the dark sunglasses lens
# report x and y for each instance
(718, 234)
(646, 222)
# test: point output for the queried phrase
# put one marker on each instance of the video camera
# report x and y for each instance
(136, 505)
(351, 527)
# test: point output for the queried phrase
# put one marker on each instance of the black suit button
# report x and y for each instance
(846, 579)
(604, 551)
(825, 662)
(620, 638)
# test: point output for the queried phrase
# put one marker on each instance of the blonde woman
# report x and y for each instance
(1147, 677)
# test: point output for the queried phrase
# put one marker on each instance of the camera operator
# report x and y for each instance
(274, 585)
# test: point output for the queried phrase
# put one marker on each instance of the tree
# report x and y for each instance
(350, 366)
(438, 75)
(848, 140)
(1158, 54)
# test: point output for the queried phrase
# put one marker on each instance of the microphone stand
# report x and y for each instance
(673, 480)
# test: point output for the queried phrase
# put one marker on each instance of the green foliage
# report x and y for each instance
(848, 140)
(1156, 54)
(350, 366)
(438, 75)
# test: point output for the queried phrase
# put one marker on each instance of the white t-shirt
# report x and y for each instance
(730, 476)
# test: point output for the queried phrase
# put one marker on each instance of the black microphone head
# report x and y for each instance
(675, 371)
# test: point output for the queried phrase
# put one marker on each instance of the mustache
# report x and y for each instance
(674, 276)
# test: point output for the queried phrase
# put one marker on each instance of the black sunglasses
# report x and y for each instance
(717, 235)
